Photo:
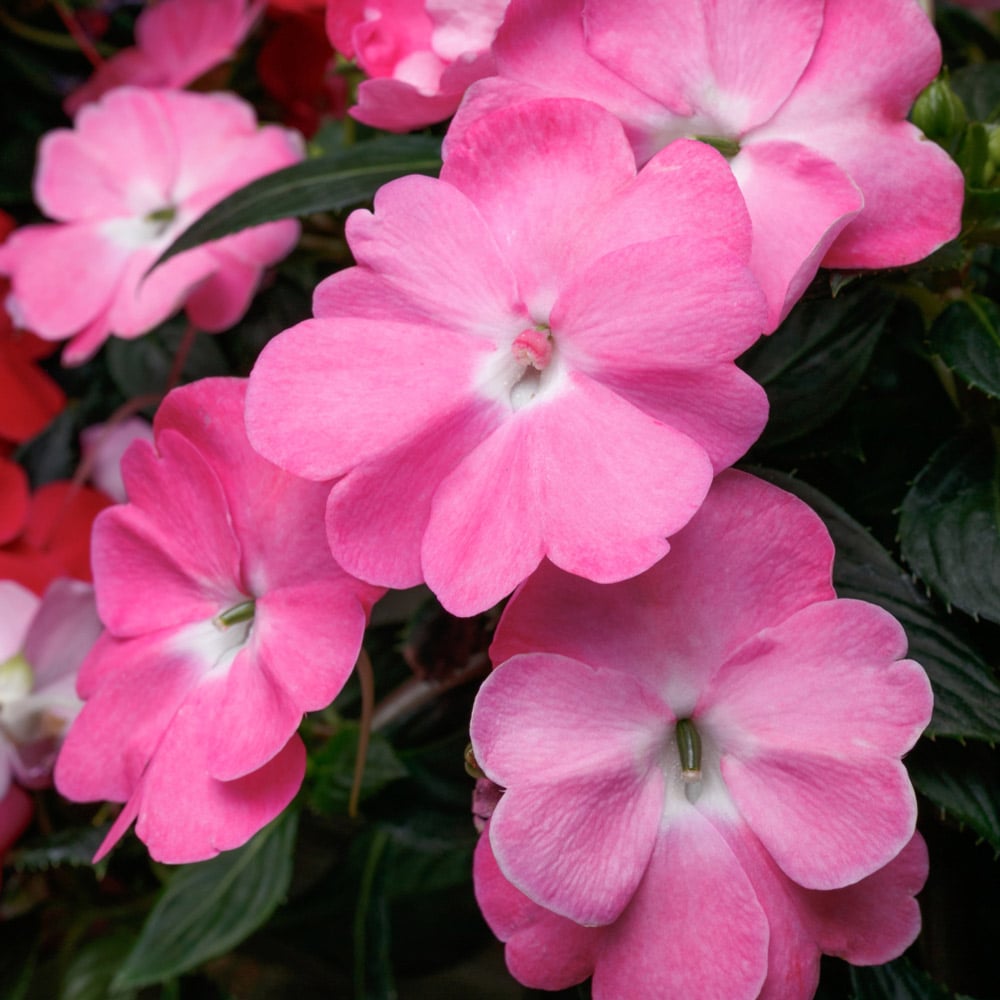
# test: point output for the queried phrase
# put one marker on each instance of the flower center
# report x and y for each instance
(689, 750)
(16, 679)
(728, 147)
(532, 351)
(160, 219)
(237, 614)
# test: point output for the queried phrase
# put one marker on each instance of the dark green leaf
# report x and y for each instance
(949, 528)
(966, 692)
(326, 184)
(899, 980)
(88, 976)
(813, 361)
(331, 769)
(72, 847)
(429, 850)
(967, 336)
(962, 781)
(209, 908)
(143, 367)
(373, 979)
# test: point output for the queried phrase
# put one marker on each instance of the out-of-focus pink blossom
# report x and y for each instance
(695, 757)
(420, 55)
(806, 100)
(103, 446)
(16, 810)
(139, 168)
(533, 357)
(177, 41)
(43, 641)
(226, 619)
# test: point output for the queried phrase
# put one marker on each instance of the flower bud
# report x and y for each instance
(939, 112)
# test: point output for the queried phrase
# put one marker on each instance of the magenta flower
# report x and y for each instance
(43, 641)
(176, 42)
(420, 55)
(139, 168)
(805, 98)
(688, 754)
(533, 358)
(226, 619)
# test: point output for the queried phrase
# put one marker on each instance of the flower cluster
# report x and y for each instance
(525, 384)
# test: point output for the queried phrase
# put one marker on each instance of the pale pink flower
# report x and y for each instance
(138, 169)
(420, 55)
(104, 445)
(533, 357)
(226, 619)
(686, 753)
(43, 641)
(805, 96)
(176, 41)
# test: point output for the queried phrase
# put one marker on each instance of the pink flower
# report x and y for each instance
(140, 167)
(533, 358)
(226, 619)
(43, 641)
(177, 41)
(104, 445)
(689, 754)
(421, 55)
(805, 98)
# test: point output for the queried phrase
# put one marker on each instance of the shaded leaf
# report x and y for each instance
(978, 86)
(210, 907)
(962, 781)
(899, 980)
(373, 979)
(88, 975)
(326, 184)
(331, 769)
(967, 336)
(950, 526)
(72, 847)
(813, 361)
(966, 691)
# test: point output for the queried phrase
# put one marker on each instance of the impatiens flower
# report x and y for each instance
(226, 619)
(104, 445)
(688, 757)
(53, 536)
(421, 55)
(806, 100)
(177, 41)
(43, 641)
(139, 168)
(533, 357)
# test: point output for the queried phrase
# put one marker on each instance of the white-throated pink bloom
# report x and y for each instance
(176, 41)
(136, 170)
(689, 757)
(533, 358)
(420, 55)
(43, 641)
(225, 620)
(807, 98)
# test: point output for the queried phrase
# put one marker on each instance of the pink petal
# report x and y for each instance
(734, 61)
(799, 203)
(378, 513)
(827, 680)
(701, 614)
(579, 755)
(397, 106)
(330, 394)
(612, 314)
(544, 951)
(405, 242)
(720, 407)
(18, 607)
(173, 540)
(222, 299)
(63, 631)
(77, 259)
(563, 157)
(694, 928)
(807, 810)
(601, 509)
(876, 919)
